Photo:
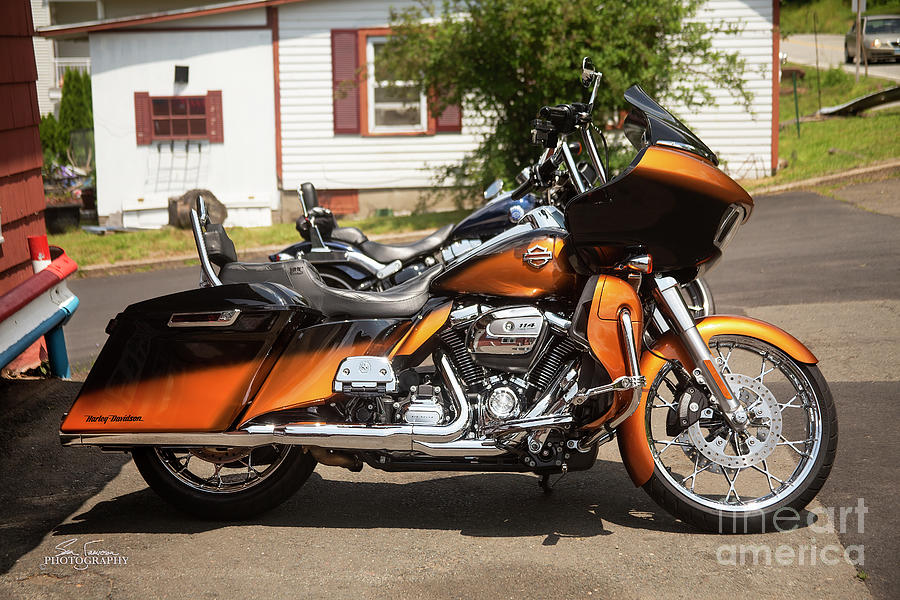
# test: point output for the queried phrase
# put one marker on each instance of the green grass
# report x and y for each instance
(88, 249)
(837, 87)
(833, 16)
(835, 144)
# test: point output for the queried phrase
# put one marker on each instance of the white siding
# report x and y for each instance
(742, 139)
(311, 150)
(138, 180)
(43, 56)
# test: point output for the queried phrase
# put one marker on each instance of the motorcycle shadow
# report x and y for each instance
(477, 505)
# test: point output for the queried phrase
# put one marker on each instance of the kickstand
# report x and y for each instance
(545, 484)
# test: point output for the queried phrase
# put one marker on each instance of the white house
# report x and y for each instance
(247, 98)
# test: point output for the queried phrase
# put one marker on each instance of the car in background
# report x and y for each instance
(880, 39)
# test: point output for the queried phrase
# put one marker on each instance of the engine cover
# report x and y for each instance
(507, 338)
(425, 407)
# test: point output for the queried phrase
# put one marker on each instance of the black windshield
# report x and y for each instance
(649, 123)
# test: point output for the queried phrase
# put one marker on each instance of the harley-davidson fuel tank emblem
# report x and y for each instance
(537, 256)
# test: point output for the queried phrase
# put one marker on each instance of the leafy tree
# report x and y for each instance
(507, 58)
(51, 139)
(75, 108)
(75, 113)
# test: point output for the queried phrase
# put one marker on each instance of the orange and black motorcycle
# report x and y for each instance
(526, 354)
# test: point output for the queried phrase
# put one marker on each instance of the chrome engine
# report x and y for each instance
(507, 338)
(505, 378)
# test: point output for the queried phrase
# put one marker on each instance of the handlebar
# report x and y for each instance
(519, 192)
(539, 174)
(564, 117)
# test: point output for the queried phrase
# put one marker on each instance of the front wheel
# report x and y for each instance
(225, 483)
(731, 481)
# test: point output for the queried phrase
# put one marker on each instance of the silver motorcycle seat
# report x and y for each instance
(403, 300)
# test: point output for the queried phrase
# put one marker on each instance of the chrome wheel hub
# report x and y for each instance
(736, 450)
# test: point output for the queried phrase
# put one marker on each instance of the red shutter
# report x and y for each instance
(143, 122)
(214, 126)
(344, 67)
(450, 120)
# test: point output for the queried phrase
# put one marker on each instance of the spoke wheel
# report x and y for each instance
(735, 481)
(224, 483)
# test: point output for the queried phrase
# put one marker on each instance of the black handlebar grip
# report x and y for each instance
(523, 189)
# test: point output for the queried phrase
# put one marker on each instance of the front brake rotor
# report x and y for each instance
(765, 416)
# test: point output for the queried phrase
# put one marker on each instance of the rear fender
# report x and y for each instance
(632, 433)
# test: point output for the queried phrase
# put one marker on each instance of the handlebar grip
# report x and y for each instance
(523, 189)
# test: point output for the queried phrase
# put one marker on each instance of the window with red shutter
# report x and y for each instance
(178, 117)
(369, 101)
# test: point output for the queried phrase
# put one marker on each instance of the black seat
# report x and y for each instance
(403, 300)
(350, 235)
(384, 253)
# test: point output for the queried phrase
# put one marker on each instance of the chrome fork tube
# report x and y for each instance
(574, 175)
(707, 371)
(593, 152)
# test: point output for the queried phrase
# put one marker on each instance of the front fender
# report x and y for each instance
(632, 433)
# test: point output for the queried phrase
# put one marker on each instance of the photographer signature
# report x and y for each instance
(84, 555)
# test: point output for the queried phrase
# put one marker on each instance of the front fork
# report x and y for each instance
(707, 370)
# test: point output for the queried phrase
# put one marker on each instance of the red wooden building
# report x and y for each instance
(21, 187)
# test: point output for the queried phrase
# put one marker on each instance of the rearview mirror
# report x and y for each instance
(588, 72)
(493, 190)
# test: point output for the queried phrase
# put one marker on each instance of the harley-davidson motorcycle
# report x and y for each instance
(526, 354)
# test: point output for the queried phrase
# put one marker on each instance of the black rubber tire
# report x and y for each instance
(278, 487)
(847, 58)
(668, 497)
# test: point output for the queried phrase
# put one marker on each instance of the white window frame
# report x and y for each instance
(371, 84)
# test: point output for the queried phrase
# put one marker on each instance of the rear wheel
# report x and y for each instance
(723, 480)
(225, 483)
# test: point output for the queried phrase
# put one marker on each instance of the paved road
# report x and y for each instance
(823, 269)
(801, 48)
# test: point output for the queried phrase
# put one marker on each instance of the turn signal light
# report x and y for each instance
(641, 264)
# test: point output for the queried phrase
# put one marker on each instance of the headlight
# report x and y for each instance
(876, 43)
(731, 222)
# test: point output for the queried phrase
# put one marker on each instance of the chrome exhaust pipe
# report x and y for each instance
(337, 436)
